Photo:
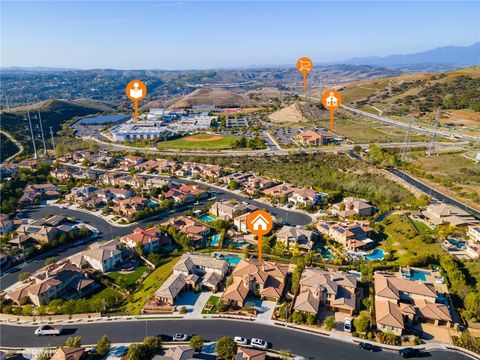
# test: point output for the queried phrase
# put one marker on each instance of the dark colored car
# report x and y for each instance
(410, 353)
(369, 347)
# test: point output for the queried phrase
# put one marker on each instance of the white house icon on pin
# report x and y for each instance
(260, 223)
(331, 100)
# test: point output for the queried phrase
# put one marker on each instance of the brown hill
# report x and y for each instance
(296, 112)
(219, 98)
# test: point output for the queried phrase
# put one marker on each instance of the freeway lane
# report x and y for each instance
(298, 342)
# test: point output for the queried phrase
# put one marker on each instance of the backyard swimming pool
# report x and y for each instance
(458, 244)
(357, 274)
(326, 253)
(232, 260)
(417, 275)
(206, 218)
(214, 241)
(376, 254)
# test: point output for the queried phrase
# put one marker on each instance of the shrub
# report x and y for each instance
(183, 310)
(24, 275)
(226, 348)
(329, 322)
(103, 346)
(196, 342)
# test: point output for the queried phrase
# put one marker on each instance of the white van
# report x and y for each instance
(347, 325)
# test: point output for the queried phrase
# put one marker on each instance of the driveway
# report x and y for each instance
(264, 309)
(194, 302)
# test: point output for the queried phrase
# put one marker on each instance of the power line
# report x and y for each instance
(41, 131)
(31, 132)
(432, 146)
(406, 152)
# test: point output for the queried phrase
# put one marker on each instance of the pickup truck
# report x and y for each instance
(46, 330)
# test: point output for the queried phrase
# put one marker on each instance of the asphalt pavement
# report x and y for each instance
(300, 343)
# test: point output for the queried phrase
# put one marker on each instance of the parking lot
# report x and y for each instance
(285, 136)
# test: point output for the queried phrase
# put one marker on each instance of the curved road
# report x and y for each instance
(107, 231)
(299, 343)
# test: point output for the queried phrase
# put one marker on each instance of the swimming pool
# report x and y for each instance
(458, 244)
(326, 253)
(206, 218)
(357, 274)
(418, 275)
(232, 260)
(215, 239)
(376, 254)
(152, 203)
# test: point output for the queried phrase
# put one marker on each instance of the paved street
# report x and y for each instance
(298, 342)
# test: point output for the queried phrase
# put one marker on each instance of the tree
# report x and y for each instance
(362, 323)
(24, 275)
(196, 342)
(103, 345)
(50, 260)
(73, 341)
(233, 185)
(153, 343)
(138, 352)
(285, 354)
(472, 306)
(183, 310)
(329, 322)
(226, 348)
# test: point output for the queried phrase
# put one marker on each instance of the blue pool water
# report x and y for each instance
(214, 241)
(376, 254)
(355, 273)
(458, 244)
(232, 260)
(206, 218)
(418, 275)
(327, 253)
(152, 203)
(104, 119)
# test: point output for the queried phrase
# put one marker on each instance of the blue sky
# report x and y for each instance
(197, 34)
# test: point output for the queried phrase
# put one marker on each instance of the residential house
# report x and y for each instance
(352, 206)
(400, 303)
(335, 290)
(300, 196)
(151, 239)
(353, 237)
(38, 191)
(296, 235)
(280, 191)
(227, 210)
(117, 193)
(8, 170)
(156, 182)
(59, 280)
(249, 276)
(66, 353)
(256, 184)
(6, 225)
(196, 231)
(147, 166)
(183, 193)
(60, 174)
(250, 354)
(240, 222)
(178, 352)
(129, 207)
(46, 230)
(444, 214)
(130, 161)
(192, 270)
(474, 233)
(101, 256)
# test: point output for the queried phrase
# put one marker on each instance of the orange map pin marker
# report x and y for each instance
(259, 223)
(304, 67)
(331, 100)
(136, 91)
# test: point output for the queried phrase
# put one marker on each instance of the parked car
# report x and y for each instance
(369, 347)
(409, 353)
(240, 340)
(180, 337)
(347, 325)
(259, 343)
(46, 330)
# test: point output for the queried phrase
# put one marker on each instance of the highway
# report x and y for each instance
(299, 343)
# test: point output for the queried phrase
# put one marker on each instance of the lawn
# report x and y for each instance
(212, 300)
(200, 142)
(404, 241)
(421, 227)
(130, 278)
(151, 283)
(108, 293)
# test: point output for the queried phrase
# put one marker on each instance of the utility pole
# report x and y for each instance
(432, 146)
(53, 142)
(405, 152)
(31, 132)
(41, 131)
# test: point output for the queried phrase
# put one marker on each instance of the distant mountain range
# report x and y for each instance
(457, 56)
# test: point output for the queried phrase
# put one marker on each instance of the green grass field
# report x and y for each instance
(200, 142)
(404, 241)
(129, 278)
(212, 300)
(107, 293)
(151, 283)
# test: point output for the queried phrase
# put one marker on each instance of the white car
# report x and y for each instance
(45, 330)
(240, 340)
(347, 325)
(259, 343)
(180, 337)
